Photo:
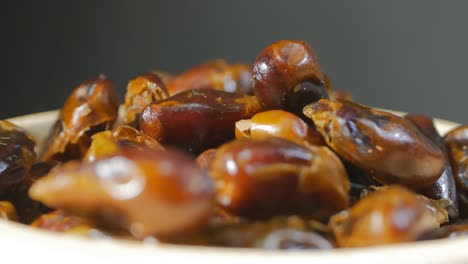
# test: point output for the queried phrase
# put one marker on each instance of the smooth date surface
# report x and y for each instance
(196, 120)
(147, 192)
(263, 178)
(280, 67)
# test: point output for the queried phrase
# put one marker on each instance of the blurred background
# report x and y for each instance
(406, 55)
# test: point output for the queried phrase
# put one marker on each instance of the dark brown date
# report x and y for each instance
(17, 154)
(456, 142)
(264, 178)
(108, 143)
(196, 120)
(280, 68)
(92, 107)
(217, 75)
(303, 94)
(388, 215)
(61, 222)
(444, 187)
(28, 209)
(278, 123)
(141, 91)
(147, 192)
(386, 146)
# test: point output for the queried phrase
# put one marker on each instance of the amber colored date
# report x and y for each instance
(92, 107)
(389, 215)
(278, 123)
(196, 120)
(146, 192)
(386, 146)
(264, 178)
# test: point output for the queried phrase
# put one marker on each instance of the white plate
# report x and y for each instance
(19, 243)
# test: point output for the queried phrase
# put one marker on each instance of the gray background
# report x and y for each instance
(405, 55)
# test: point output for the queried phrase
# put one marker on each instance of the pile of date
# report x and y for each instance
(267, 156)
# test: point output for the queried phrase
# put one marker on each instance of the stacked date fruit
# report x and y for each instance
(268, 156)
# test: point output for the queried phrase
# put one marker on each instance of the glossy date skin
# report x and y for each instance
(391, 214)
(217, 75)
(17, 154)
(262, 178)
(141, 91)
(444, 187)
(386, 146)
(196, 120)
(456, 142)
(146, 192)
(278, 123)
(282, 66)
(92, 107)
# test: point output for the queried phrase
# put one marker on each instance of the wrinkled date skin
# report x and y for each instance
(92, 107)
(282, 66)
(278, 123)
(389, 215)
(108, 143)
(196, 120)
(17, 154)
(263, 178)
(386, 146)
(444, 187)
(146, 192)
(28, 209)
(217, 75)
(8, 211)
(456, 142)
(141, 91)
